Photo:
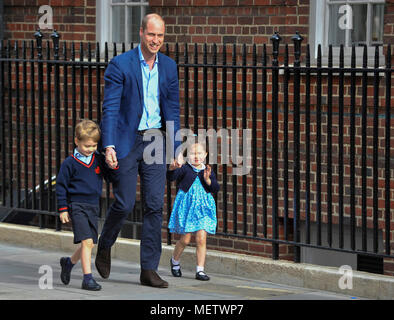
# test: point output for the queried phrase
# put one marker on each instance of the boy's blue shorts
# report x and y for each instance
(84, 219)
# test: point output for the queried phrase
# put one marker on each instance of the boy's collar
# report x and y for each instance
(79, 154)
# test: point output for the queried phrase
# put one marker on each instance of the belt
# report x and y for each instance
(147, 131)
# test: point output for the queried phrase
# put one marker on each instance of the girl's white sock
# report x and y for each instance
(199, 269)
(175, 264)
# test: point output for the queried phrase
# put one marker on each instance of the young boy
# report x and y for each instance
(78, 190)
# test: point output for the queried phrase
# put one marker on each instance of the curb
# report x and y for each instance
(304, 275)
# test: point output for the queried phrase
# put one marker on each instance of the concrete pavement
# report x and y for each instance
(28, 273)
(24, 250)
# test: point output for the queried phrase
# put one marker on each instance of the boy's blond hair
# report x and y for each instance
(87, 129)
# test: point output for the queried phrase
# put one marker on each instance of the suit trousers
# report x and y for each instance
(152, 178)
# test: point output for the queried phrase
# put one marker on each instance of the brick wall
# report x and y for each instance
(231, 21)
(223, 21)
(74, 19)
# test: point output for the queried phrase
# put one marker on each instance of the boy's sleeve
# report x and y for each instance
(62, 182)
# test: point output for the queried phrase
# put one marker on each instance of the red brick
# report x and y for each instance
(74, 3)
(226, 243)
(215, 2)
(153, 3)
(262, 2)
(214, 20)
(214, 39)
(246, 2)
(199, 2)
(182, 2)
(199, 20)
(230, 2)
(244, 20)
(241, 245)
(198, 39)
(169, 3)
(56, 3)
(277, 20)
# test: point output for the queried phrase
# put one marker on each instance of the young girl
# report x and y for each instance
(194, 207)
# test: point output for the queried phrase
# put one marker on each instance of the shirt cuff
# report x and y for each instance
(62, 209)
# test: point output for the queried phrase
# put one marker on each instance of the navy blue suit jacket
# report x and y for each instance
(185, 177)
(123, 101)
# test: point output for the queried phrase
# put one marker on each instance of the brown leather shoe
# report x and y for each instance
(103, 262)
(151, 278)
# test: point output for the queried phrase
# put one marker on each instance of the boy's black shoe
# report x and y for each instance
(66, 272)
(91, 285)
(175, 272)
(201, 275)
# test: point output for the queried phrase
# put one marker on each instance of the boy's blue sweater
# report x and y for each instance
(80, 182)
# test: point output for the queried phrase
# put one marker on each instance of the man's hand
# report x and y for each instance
(207, 174)
(180, 160)
(174, 165)
(110, 158)
(64, 217)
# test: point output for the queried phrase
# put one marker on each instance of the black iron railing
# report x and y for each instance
(321, 147)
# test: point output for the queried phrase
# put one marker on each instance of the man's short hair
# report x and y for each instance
(149, 16)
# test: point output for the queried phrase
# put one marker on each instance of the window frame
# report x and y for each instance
(318, 34)
(104, 20)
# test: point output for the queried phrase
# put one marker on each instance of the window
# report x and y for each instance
(347, 22)
(354, 22)
(120, 20)
(126, 19)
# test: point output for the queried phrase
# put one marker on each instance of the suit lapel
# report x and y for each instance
(161, 79)
(137, 71)
(162, 85)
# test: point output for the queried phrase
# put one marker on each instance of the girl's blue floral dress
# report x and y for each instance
(194, 210)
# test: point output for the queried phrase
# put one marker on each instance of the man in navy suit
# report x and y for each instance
(141, 93)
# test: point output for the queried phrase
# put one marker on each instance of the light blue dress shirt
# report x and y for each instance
(81, 157)
(150, 80)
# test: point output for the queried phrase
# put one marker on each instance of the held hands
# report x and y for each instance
(207, 174)
(64, 217)
(110, 158)
(175, 164)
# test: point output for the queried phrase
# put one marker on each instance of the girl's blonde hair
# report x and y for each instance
(195, 140)
(87, 129)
